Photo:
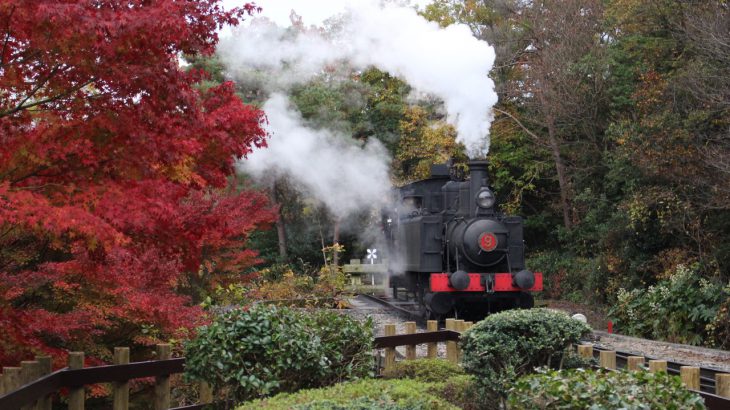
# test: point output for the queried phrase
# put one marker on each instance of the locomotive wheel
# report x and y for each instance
(439, 302)
(525, 301)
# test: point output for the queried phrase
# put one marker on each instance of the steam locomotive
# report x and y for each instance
(452, 251)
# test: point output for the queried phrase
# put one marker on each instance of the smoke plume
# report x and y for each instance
(448, 63)
(344, 175)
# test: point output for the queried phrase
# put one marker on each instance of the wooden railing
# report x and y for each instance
(30, 385)
(431, 337)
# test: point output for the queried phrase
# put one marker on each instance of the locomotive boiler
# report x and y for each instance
(452, 251)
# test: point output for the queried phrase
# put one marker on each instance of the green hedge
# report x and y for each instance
(364, 394)
(598, 389)
(425, 370)
(449, 380)
(510, 344)
(264, 350)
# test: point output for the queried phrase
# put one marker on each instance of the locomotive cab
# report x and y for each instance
(453, 251)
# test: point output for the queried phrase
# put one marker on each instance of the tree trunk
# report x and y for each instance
(280, 225)
(336, 241)
(562, 173)
(281, 236)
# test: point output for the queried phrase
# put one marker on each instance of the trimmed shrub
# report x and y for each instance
(450, 382)
(510, 344)
(572, 360)
(425, 370)
(599, 389)
(264, 350)
(346, 344)
(364, 394)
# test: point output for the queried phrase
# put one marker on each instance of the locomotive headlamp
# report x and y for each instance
(485, 198)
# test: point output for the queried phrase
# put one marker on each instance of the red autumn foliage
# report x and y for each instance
(116, 200)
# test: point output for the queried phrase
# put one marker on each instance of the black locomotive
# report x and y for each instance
(452, 251)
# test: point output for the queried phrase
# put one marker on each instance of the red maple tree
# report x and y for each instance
(115, 172)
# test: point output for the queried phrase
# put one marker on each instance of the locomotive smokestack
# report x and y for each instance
(478, 174)
(478, 178)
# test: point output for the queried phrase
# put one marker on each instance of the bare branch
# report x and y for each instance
(21, 106)
(7, 37)
(518, 122)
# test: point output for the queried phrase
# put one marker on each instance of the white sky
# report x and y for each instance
(312, 11)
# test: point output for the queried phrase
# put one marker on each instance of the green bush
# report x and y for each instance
(425, 370)
(346, 343)
(681, 309)
(596, 389)
(252, 353)
(450, 382)
(510, 344)
(363, 394)
(567, 276)
(572, 360)
(462, 391)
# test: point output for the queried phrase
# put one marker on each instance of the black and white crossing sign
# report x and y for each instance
(372, 255)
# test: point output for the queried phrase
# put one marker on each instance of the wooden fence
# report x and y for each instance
(30, 385)
(431, 337)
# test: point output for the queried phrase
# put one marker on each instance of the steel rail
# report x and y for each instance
(409, 314)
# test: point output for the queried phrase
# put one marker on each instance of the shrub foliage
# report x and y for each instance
(510, 344)
(684, 308)
(280, 285)
(426, 370)
(361, 395)
(252, 353)
(589, 389)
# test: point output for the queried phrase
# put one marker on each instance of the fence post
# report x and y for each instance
(608, 359)
(635, 362)
(452, 354)
(76, 394)
(410, 349)
(11, 377)
(658, 366)
(30, 371)
(585, 351)
(690, 376)
(45, 368)
(162, 383)
(432, 326)
(389, 351)
(722, 384)
(461, 328)
(120, 390)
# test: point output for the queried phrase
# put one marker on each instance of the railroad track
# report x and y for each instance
(707, 374)
(407, 309)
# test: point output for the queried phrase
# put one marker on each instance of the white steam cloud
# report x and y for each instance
(448, 63)
(345, 176)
